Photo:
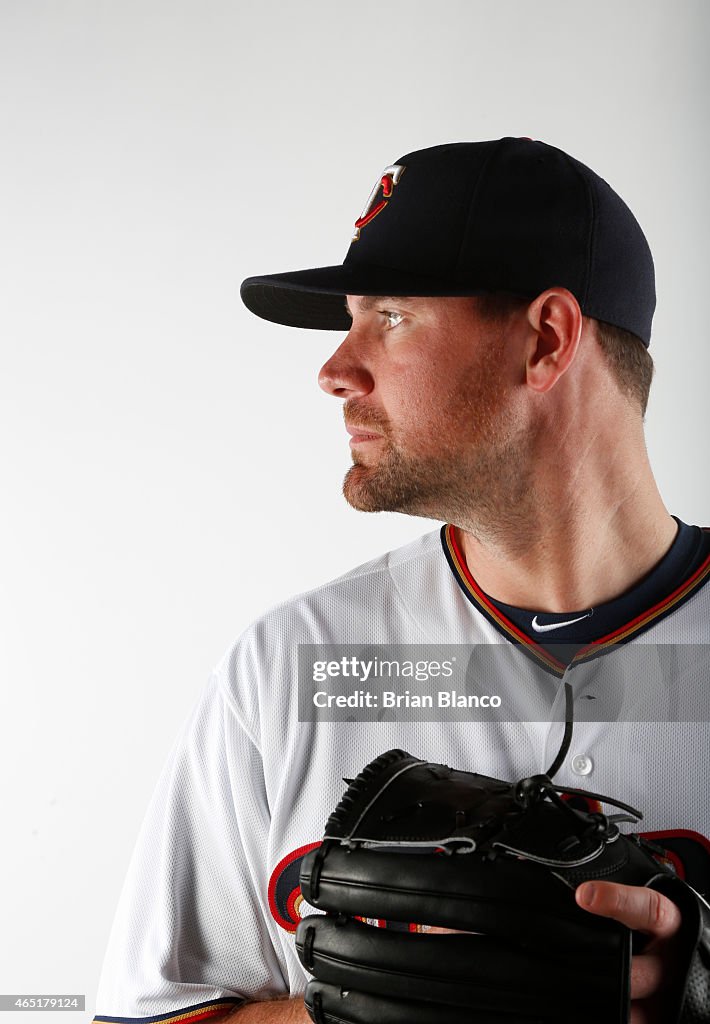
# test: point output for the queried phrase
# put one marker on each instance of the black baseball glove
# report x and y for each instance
(417, 844)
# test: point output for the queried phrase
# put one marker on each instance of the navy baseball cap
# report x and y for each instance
(470, 218)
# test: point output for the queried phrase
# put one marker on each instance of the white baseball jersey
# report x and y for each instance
(211, 900)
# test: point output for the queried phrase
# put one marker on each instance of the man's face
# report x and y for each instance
(432, 399)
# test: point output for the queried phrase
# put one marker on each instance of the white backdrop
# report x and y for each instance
(169, 466)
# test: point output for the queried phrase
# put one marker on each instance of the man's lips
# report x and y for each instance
(361, 434)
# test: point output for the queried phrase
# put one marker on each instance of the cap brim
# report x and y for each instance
(315, 298)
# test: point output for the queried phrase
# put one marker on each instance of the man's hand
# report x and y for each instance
(643, 910)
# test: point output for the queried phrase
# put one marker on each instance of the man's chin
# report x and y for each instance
(358, 490)
(367, 490)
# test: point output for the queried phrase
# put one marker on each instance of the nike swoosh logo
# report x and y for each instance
(556, 625)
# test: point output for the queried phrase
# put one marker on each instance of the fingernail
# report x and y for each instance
(589, 892)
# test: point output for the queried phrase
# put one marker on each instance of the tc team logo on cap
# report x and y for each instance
(390, 177)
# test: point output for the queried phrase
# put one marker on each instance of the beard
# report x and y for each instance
(471, 465)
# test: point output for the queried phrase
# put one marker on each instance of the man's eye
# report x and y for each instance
(393, 319)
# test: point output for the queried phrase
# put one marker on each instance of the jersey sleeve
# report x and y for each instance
(190, 938)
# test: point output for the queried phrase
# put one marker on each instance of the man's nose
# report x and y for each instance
(345, 375)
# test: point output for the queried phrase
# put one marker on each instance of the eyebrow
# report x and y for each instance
(368, 302)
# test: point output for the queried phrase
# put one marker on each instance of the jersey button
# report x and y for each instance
(582, 764)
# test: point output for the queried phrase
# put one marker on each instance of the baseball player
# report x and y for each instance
(496, 305)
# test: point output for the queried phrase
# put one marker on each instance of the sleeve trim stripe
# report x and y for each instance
(189, 1015)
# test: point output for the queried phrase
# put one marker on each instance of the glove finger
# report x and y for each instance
(469, 971)
(454, 892)
(330, 1004)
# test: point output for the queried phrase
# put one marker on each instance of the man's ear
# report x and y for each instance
(556, 323)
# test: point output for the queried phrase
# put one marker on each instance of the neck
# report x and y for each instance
(583, 534)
